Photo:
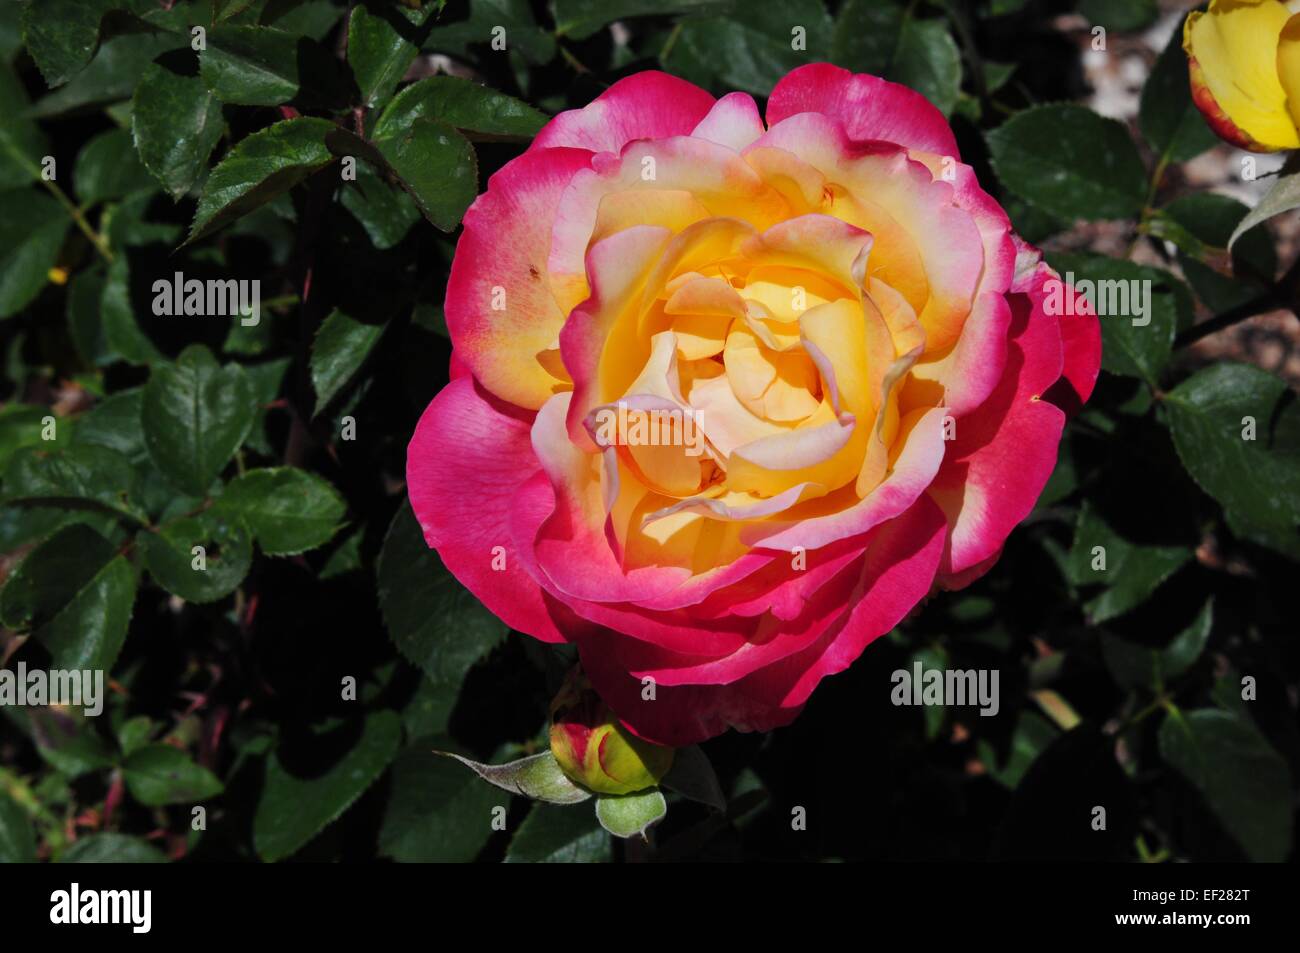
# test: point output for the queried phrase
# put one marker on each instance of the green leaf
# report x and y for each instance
(345, 558)
(1181, 654)
(581, 18)
(1033, 734)
(17, 841)
(888, 40)
(111, 75)
(250, 65)
(536, 44)
(267, 380)
(299, 800)
(1209, 220)
(114, 423)
(537, 777)
(22, 143)
(1283, 195)
(1170, 121)
(437, 812)
(223, 10)
(436, 165)
(1070, 162)
(929, 62)
(90, 631)
(1212, 414)
(288, 510)
(461, 104)
(62, 35)
(11, 32)
(112, 849)
(341, 346)
(1130, 665)
(122, 337)
(65, 739)
(751, 47)
(1132, 571)
(227, 556)
(431, 319)
(51, 576)
(386, 213)
(631, 815)
(435, 622)
(312, 18)
(134, 734)
(692, 776)
(31, 234)
(1049, 812)
(176, 123)
(74, 594)
(559, 835)
(195, 414)
(85, 292)
(1245, 782)
(261, 167)
(381, 46)
(159, 774)
(1132, 344)
(1123, 16)
(136, 220)
(75, 475)
(25, 425)
(1284, 540)
(997, 75)
(23, 526)
(1143, 666)
(1032, 223)
(107, 168)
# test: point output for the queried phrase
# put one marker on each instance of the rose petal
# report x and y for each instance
(732, 122)
(868, 106)
(645, 105)
(896, 574)
(1005, 450)
(466, 461)
(501, 313)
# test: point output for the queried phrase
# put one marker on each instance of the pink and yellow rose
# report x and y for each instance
(865, 387)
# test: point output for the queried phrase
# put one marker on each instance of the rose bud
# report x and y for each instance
(1243, 58)
(595, 750)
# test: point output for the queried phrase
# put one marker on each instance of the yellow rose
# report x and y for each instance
(1244, 61)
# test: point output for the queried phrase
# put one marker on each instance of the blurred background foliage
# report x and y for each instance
(126, 438)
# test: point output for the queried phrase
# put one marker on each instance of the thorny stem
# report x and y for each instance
(96, 239)
(969, 50)
(1285, 293)
(1148, 206)
(577, 64)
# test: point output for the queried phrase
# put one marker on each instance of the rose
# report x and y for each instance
(838, 307)
(1244, 61)
(595, 750)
